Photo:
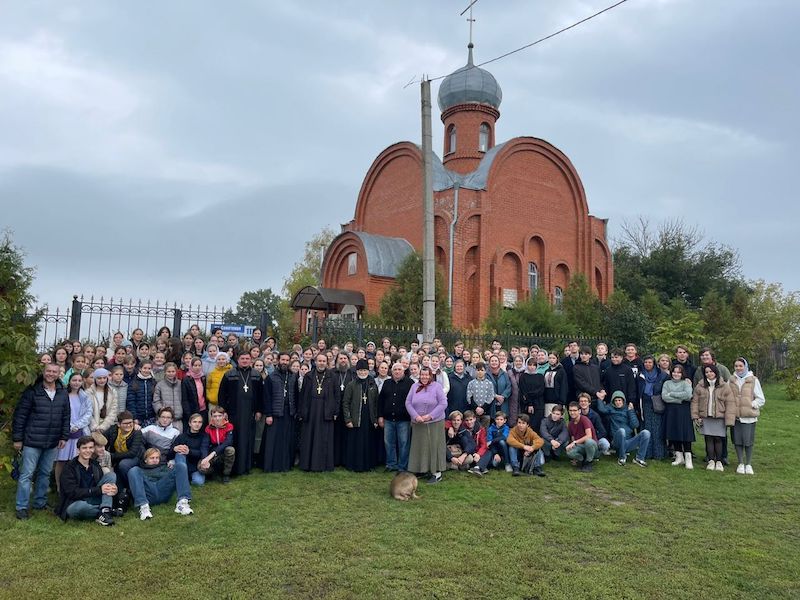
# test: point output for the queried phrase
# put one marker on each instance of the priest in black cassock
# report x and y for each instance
(343, 375)
(318, 409)
(241, 394)
(278, 442)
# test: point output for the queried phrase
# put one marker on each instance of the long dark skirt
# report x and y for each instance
(360, 446)
(654, 423)
(678, 422)
(277, 445)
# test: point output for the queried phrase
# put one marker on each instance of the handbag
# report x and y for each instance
(658, 404)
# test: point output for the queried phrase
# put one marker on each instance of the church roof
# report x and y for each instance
(384, 254)
(469, 84)
(320, 298)
(444, 179)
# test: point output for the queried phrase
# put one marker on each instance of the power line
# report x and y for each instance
(540, 40)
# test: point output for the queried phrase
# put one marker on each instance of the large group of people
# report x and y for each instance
(141, 422)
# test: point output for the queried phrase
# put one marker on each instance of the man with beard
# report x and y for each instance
(318, 409)
(342, 375)
(242, 395)
(394, 418)
(277, 449)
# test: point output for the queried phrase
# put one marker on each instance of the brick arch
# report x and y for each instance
(602, 264)
(534, 250)
(598, 283)
(334, 265)
(560, 274)
(507, 267)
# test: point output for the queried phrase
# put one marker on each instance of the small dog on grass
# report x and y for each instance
(404, 486)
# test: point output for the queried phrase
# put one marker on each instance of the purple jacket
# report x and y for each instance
(430, 401)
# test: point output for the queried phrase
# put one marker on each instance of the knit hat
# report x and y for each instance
(101, 372)
(99, 439)
(362, 364)
(617, 394)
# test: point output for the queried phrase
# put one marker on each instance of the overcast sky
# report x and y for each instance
(186, 150)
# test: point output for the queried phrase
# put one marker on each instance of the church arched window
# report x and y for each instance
(533, 278)
(451, 139)
(558, 299)
(352, 263)
(483, 137)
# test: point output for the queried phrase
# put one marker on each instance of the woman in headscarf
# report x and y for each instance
(749, 398)
(426, 404)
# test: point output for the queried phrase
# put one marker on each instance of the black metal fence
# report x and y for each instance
(339, 331)
(98, 320)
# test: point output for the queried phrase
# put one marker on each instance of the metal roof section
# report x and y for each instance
(319, 298)
(444, 179)
(469, 84)
(384, 254)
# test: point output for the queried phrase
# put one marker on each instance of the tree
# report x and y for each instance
(18, 361)
(624, 322)
(532, 315)
(305, 272)
(250, 306)
(583, 310)
(678, 325)
(401, 305)
(674, 261)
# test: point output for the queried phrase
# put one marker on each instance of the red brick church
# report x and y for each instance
(511, 219)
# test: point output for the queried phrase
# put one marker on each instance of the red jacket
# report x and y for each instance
(476, 435)
(218, 434)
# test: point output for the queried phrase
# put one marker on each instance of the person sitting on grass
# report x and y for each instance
(623, 423)
(220, 449)
(496, 435)
(191, 446)
(154, 482)
(85, 492)
(584, 401)
(553, 431)
(472, 438)
(583, 440)
(456, 457)
(522, 438)
(102, 457)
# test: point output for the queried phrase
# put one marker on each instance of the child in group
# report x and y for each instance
(102, 457)
(456, 457)
(472, 438)
(496, 436)
(154, 482)
(523, 438)
(553, 431)
(583, 439)
(623, 423)
(480, 391)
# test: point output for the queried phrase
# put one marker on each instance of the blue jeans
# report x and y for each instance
(38, 461)
(122, 469)
(159, 491)
(197, 478)
(90, 508)
(397, 439)
(496, 447)
(515, 453)
(641, 441)
(603, 445)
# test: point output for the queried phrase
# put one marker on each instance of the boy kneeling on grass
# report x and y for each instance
(554, 433)
(623, 422)
(583, 445)
(523, 438)
(472, 438)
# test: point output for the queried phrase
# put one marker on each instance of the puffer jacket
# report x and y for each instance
(745, 396)
(168, 394)
(140, 399)
(724, 403)
(40, 422)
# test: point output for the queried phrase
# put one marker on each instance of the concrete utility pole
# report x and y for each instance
(428, 264)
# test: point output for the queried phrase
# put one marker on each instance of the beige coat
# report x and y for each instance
(724, 403)
(743, 398)
(97, 405)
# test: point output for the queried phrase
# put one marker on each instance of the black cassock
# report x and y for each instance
(278, 441)
(241, 394)
(340, 431)
(318, 406)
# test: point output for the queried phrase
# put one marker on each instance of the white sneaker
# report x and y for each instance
(748, 470)
(509, 469)
(720, 466)
(144, 512)
(688, 460)
(182, 507)
(740, 469)
(711, 465)
(678, 459)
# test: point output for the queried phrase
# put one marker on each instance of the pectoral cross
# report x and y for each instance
(319, 388)
(364, 398)
(245, 388)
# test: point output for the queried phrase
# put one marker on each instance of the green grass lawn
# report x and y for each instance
(660, 532)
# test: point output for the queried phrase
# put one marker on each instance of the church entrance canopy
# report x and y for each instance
(326, 299)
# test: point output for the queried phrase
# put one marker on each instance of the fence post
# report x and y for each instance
(262, 324)
(360, 333)
(314, 326)
(177, 313)
(75, 319)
